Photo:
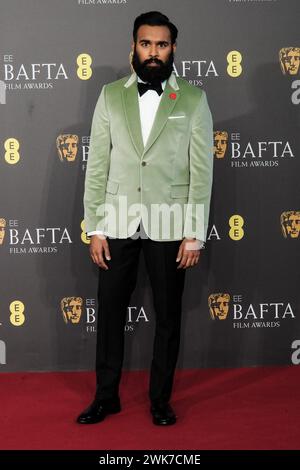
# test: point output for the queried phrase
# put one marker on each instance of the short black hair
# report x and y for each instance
(154, 18)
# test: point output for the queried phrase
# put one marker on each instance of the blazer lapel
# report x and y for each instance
(164, 110)
(132, 113)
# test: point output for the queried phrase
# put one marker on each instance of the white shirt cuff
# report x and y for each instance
(194, 244)
(96, 232)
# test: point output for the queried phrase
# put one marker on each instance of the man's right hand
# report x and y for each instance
(99, 250)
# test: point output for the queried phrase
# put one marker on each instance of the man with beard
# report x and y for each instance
(152, 144)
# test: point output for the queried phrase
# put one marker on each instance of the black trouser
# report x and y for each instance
(115, 288)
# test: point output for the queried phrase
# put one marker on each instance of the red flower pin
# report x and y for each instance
(173, 96)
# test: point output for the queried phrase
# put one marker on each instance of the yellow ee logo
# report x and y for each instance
(17, 316)
(84, 237)
(236, 231)
(234, 68)
(12, 155)
(84, 71)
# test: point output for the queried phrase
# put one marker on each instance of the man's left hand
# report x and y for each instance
(188, 253)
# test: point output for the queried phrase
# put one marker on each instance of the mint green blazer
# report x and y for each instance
(171, 175)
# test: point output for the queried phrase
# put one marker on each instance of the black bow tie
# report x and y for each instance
(143, 87)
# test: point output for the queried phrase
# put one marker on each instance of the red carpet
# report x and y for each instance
(249, 408)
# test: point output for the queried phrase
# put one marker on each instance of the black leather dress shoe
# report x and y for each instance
(162, 414)
(98, 410)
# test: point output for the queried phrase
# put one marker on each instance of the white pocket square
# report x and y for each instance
(176, 117)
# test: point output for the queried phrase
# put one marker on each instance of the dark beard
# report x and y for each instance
(155, 74)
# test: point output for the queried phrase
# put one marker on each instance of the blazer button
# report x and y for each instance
(144, 163)
(138, 188)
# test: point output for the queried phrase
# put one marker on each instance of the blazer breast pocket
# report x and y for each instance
(175, 117)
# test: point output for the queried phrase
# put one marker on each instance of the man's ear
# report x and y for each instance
(132, 46)
(174, 47)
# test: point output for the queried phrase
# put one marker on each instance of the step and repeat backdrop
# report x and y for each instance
(241, 302)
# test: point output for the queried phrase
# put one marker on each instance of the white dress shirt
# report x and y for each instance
(148, 104)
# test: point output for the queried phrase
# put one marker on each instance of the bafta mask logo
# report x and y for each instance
(71, 308)
(218, 306)
(67, 147)
(290, 224)
(220, 143)
(289, 58)
(2, 230)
